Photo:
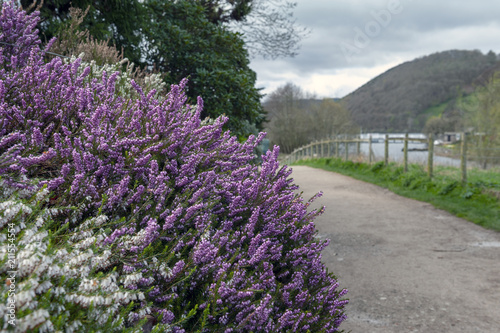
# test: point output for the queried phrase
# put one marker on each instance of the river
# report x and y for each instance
(396, 150)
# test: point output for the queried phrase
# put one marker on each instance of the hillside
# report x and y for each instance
(398, 99)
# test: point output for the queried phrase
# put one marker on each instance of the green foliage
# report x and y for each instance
(119, 22)
(438, 125)
(184, 43)
(377, 167)
(223, 11)
(477, 201)
(483, 117)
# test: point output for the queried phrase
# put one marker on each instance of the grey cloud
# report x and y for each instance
(422, 27)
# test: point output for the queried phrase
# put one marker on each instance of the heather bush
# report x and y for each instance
(212, 241)
(73, 41)
(52, 285)
(102, 57)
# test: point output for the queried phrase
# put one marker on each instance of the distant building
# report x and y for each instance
(450, 137)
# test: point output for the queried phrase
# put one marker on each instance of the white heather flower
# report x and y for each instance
(100, 220)
(32, 320)
(61, 253)
(39, 222)
(85, 243)
(101, 261)
(10, 209)
(165, 271)
(54, 271)
(47, 326)
(81, 235)
(37, 268)
(87, 285)
(131, 278)
(81, 258)
(42, 194)
(43, 287)
(24, 297)
(73, 326)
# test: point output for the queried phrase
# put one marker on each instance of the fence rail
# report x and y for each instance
(340, 147)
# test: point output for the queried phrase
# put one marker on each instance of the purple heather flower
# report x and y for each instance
(229, 234)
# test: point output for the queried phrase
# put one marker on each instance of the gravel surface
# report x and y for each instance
(409, 267)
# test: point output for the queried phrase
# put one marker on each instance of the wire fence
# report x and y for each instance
(465, 152)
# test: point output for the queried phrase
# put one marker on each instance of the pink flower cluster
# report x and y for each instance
(233, 243)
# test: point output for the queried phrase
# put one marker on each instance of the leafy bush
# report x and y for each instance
(181, 215)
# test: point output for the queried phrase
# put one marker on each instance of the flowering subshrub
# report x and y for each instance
(50, 286)
(212, 241)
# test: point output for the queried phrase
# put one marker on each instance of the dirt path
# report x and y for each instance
(409, 267)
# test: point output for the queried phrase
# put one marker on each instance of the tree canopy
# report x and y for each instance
(184, 43)
(119, 21)
(296, 118)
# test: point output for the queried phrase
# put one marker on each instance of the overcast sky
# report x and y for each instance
(353, 41)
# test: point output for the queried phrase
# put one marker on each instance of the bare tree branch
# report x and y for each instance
(270, 30)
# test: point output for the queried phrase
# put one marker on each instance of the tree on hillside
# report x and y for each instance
(329, 120)
(296, 118)
(286, 125)
(483, 115)
(398, 99)
(438, 125)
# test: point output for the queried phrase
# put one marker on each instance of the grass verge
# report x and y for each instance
(477, 201)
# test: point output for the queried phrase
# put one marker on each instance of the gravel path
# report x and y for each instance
(409, 267)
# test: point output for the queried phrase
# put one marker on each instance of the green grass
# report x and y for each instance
(476, 201)
(436, 110)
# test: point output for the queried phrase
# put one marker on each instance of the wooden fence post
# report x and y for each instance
(405, 149)
(337, 148)
(346, 145)
(430, 156)
(370, 150)
(358, 146)
(386, 150)
(463, 158)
